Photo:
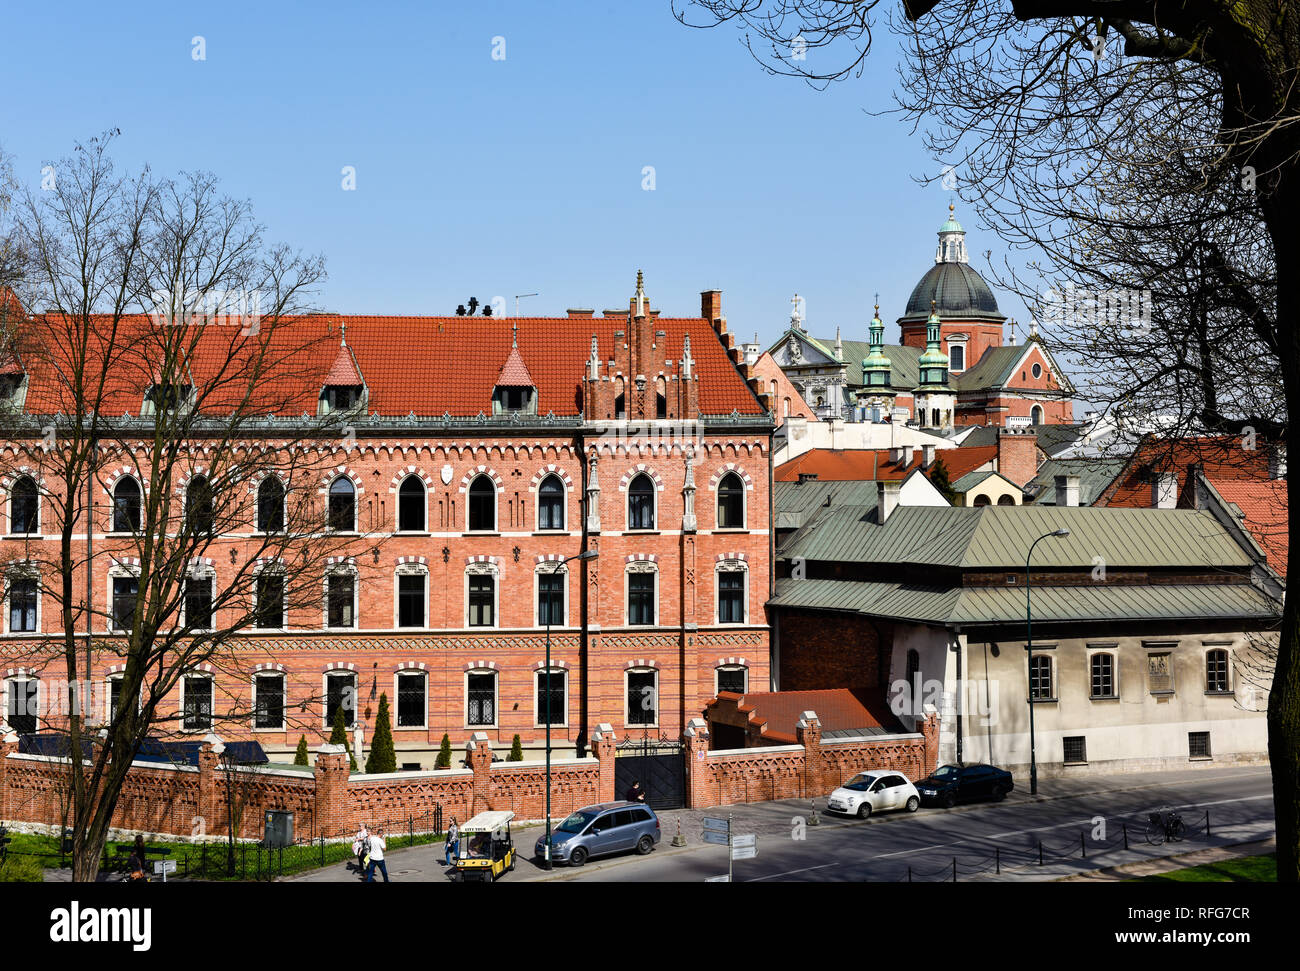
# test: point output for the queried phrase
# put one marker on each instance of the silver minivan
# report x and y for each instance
(608, 827)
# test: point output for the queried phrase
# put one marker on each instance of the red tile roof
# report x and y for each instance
(1220, 458)
(861, 465)
(1264, 505)
(837, 709)
(343, 372)
(514, 373)
(426, 365)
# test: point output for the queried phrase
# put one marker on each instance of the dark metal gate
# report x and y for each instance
(658, 764)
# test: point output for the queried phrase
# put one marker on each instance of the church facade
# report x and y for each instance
(953, 366)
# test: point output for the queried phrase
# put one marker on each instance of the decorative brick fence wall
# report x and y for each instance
(190, 801)
(814, 767)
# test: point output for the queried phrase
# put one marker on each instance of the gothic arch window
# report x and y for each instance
(641, 503)
(731, 502)
(482, 505)
(199, 507)
(126, 506)
(270, 505)
(342, 505)
(410, 505)
(550, 503)
(24, 506)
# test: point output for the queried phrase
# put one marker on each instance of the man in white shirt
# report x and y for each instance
(377, 846)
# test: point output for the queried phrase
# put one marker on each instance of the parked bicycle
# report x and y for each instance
(1165, 827)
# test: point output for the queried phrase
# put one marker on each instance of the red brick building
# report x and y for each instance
(484, 452)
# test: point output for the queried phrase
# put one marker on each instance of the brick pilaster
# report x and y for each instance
(478, 752)
(331, 772)
(808, 731)
(696, 739)
(602, 746)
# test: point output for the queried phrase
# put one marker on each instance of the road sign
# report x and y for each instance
(719, 838)
(725, 878)
(164, 867)
(717, 825)
(744, 852)
(745, 839)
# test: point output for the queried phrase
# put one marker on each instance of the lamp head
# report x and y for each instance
(588, 554)
(1061, 532)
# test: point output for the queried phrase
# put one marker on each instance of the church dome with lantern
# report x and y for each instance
(951, 287)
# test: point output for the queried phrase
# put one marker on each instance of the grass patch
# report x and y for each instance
(21, 869)
(1247, 869)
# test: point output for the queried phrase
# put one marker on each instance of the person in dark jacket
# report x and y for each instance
(136, 864)
(636, 793)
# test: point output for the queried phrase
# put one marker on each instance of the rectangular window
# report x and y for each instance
(340, 601)
(1040, 678)
(196, 710)
(1198, 745)
(1076, 749)
(114, 697)
(731, 597)
(1103, 676)
(410, 600)
(198, 602)
(732, 679)
(482, 699)
(341, 692)
(642, 698)
(641, 599)
(23, 705)
(269, 612)
(269, 713)
(550, 697)
(22, 606)
(1216, 671)
(410, 699)
(481, 594)
(550, 599)
(125, 591)
(1160, 673)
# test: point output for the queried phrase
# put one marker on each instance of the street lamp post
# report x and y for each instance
(1029, 650)
(584, 555)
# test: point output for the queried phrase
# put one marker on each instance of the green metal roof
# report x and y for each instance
(904, 372)
(998, 537)
(1094, 475)
(972, 606)
(798, 502)
(992, 370)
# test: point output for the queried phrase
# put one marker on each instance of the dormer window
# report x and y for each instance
(514, 393)
(514, 399)
(10, 386)
(166, 397)
(344, 388)
(340, 398)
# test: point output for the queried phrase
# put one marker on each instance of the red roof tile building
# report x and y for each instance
(482, 453)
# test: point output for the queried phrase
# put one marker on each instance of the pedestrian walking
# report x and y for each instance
(136, 864)
(361, 847)
(377, 846)
(453, 841)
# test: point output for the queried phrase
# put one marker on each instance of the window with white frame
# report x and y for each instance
(341, 693)
(731, 677)
(1101, 668)
(22, 591)
(23, 706)
(196, 702)
(550, 503)
(269, 594)
(125, 591)
(412, 699)
(481, 595)
(641, 503)
(268, 700)
(198, 600)
(481, 698)
(341, 599)
(114, 684)
(482, 505)
(731, 502)
(412, 593)
(1040, 677)
(126, 506)
(732, 578)
(410, 505)
(200, 510)
(551, 585)
(642, 593)
(642, 696)
(342, 505)
(956, 356)
(552, 694)
(270, 505)
(1216, 671)
(24, 506)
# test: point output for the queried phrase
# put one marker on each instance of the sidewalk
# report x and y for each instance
(1149, 868)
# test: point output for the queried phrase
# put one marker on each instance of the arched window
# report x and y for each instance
(550, 503)
(982, 501)
(198, 507)
(1040, 678)
(410, 505)
(482, 504)
(641, 503)
(1036, 415)
(1006, 500)
(731, 502)
(343, 505)
(270, 505)
(126, 506)
(23, 507)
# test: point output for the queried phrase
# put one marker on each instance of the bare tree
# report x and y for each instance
(1132, 146)
(164, 345)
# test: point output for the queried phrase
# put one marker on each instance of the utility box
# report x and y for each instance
(279, 828)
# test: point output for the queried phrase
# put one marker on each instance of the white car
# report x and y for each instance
(874, 790)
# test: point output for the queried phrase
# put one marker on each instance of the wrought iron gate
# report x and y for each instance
(658, 764)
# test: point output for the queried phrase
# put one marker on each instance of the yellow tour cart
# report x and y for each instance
(486, 850)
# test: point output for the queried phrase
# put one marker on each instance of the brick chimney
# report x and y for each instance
(711, 305)
(1018, 455)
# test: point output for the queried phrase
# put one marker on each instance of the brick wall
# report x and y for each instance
(823, 649)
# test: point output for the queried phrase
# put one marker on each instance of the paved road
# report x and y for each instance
(883, 848)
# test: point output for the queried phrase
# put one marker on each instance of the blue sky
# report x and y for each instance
(484, 177)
